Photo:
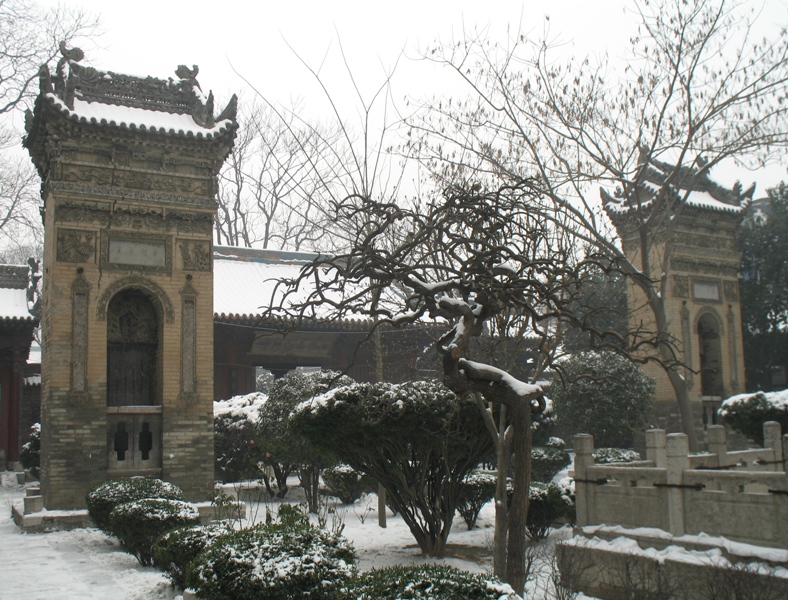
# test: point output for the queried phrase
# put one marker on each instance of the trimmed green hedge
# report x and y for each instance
(746, 413)
(109, 494)
(274, 561)
(476, 490)
(427, 582)
(137, 524)
(175, 550)
(347, 484)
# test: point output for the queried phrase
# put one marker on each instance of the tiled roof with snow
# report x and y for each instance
(247, 281)
(13, 293)
(130, 117)
(691, 186)
(13, 305)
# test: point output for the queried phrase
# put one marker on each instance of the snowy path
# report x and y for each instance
(70, 565)
(85, 564)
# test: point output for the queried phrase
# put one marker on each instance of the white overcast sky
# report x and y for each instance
(233, 40)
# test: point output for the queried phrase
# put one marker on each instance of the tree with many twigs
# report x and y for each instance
(697, 90)
(483, 264)
(30, 36)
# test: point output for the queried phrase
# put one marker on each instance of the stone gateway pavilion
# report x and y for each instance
(129, 175)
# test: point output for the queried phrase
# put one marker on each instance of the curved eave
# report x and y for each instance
(220, 130)
(305, 325)
(18, 321)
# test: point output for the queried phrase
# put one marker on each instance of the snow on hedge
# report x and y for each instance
(778, 400)
(240, 407)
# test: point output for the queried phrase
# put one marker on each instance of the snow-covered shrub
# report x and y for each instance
(237, 446)
(543, 425)
(428, 582)
(109, 494)
(546, 461)
(175, 550)
(605, 456)
(566, 486)
(432, 440)
(347, 484)
(274, 561)
(138, 523)
(546, 505)
(746, 413)
(477, 489)
(288, 449)
(603, 394)
(30, 456)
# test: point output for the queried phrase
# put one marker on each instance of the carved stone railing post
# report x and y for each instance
(655, 447)
(717, 443)
(584, 450)
(677, 448)
(771, 439)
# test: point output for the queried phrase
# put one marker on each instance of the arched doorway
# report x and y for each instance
(711, 376)
(132, 350)
(133, 383)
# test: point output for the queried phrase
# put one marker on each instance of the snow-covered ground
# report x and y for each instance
(85, 564)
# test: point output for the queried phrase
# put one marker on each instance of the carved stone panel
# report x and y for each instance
(136, 252)
(731, 290)
(196, 256)
(79, 339)
(680, 286)
(83, 212)
(76, 246)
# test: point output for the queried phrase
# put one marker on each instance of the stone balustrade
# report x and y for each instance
(741, 495)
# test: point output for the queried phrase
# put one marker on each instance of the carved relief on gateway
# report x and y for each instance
(134, 217)
(680, 286)
(196, 256)
(75, 246)
(731, 290)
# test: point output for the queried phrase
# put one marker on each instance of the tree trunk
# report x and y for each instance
(310, 481)
(518, 513)
(677, 381)
(503, 452)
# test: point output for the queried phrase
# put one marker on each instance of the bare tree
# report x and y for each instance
(30, 36)
(696, 90)
(272, 188)
(20, 223)
(479, 262)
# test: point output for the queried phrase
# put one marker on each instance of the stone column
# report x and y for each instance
(677, 447)
(655, 447)
(717, 443)
(584, 449)
(771, 439)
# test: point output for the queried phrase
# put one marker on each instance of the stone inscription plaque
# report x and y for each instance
(137, 253)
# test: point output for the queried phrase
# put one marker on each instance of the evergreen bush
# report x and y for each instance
(274, 561)
(546, 461)
(427, 582)
(605, 456)
(237, 445)
(347, 484)
(30, 456)
(476, 490)
(109, 494)
(546, 505)
(603, 394)
(138, 523)
(746, 413)
(175, 550)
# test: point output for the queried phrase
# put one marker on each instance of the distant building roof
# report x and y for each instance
(13, 294)
(689, 187)
(247, 281)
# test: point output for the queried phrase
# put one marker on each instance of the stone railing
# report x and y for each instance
(741, 495)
